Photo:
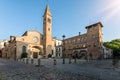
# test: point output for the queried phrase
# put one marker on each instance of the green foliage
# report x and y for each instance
(115, 45)
(24, 55)
(49, 55)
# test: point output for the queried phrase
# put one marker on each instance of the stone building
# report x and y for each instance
(3, 48)
(29, 43)
(48, 41)
(107, 53)
(58, 48)
(33, 43)
(88, 45)
(36, 45)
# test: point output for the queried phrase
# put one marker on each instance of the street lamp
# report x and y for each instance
(15, 56)
(70, 56)
(63, 49)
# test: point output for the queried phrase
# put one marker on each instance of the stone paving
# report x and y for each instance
(13, 70)
(83, 70)
(101, 69)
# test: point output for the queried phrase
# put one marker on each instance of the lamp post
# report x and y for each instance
(63, 49)
(70, 57)
(75, 55)
(15, 53)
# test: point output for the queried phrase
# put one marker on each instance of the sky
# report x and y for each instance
(69, 17)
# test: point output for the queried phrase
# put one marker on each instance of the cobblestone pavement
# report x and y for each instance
(83, 70)
(13, 70)
(101, 69)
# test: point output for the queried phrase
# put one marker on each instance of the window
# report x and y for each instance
(65, 42)
(35, 39)
(69, 42)
(49, 20)
(74, 41)
(90, 29)
(24, 49)
(48, 29)
(44, 20)
(41, 38)
(59, 49)
(84, 39)
(95, 27)
(84, 45)
(78, 39)
(93, 36)
(94, 44)
(52, 52)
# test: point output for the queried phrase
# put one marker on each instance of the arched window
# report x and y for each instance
(24, 49)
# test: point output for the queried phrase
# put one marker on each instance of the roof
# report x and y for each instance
(47, 11)
(94, 25)
(25, 34)
(76, 36)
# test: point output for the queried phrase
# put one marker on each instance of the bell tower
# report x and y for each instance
(47, 32)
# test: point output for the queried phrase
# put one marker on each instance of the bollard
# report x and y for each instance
(75, 61)
(39, 62)
(69, 60)
(23, 59)
(27, 61)
(54, 62)
(63, 60)
(32, 61)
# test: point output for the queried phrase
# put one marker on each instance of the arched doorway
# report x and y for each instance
(24, 49)
(24, 53)
(36, 51)
(83, 54)
(75, 54)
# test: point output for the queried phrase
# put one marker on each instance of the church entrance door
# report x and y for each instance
(35, 54)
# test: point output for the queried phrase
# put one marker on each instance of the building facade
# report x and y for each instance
(37, 45)
(48, 41)
(32, 43)
(58, 48)
(107, 53)
(3, 48)
(86, 46)
(29, 43)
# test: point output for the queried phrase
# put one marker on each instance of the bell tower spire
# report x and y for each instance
(47, 32)
(47, 11)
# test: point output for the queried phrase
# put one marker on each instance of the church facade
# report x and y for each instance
(32, 43)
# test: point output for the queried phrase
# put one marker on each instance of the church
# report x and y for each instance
(32, 43)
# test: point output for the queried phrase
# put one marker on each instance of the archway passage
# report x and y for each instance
(75, 54)
(35, 54)
(83, 54)
(36, 51)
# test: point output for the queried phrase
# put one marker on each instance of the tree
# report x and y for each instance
(24, 55)
(49, 55)
(115, 45)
